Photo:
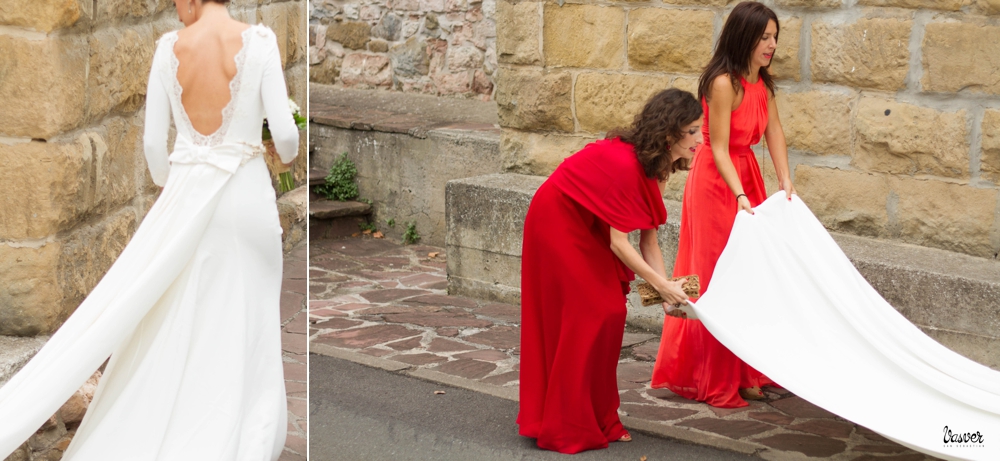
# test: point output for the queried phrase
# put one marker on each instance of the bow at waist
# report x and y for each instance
(228, 156)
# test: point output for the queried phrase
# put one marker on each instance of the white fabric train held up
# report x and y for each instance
(189, 311)
(807, 319)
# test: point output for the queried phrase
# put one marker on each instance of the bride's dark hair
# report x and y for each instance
(740, 35)
(660, 122)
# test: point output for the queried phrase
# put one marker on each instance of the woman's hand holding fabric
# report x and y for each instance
(787, 186)
(672, 292)
(743, 204)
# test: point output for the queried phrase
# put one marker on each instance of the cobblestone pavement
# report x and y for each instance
(389, 301)
(293, 344)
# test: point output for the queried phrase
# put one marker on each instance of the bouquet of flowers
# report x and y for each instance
(286, 181)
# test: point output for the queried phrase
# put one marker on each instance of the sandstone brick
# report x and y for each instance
(656, 43)
(810, 3)
(366, 69)
(378, 46)
(42, 89)
(537, 153)
(699, 2)
(870, 53)
(53, 182)
(275, 16)
(351, 34)
(961, 56)
(43, 15)
(816, 121)
(518, 26)
(583, 36)
(947, 5)
(990, 159)
(848, 201)
(987, 6)
(114, 10)
(120, 60)
(534, 100)
(785, 64)
(117, 164)
(87, 254)
(30, 300)
(689, 84)
(297, 31)
(949, 216)
(900, 138)
(608, 101)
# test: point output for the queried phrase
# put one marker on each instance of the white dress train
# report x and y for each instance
(189, 312)
(808, 320)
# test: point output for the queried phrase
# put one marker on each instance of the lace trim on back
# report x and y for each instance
(219, 135)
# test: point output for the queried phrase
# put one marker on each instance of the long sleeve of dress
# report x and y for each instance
(157, 126)
(284, 133)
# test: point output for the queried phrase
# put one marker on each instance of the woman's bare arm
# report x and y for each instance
(670, 291)
(722, 96)
(775, 137)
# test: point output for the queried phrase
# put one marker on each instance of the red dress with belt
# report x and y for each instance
(691, 362)
(573, 295)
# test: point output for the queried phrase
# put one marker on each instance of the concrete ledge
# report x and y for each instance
(405, 147)
(15, 353)
(954, 298)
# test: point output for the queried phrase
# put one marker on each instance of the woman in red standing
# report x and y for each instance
(737, 94)
(575, 268)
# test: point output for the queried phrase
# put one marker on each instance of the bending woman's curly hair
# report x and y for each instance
(666, 113)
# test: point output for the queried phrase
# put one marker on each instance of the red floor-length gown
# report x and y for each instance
(691, 362)
(573, 295)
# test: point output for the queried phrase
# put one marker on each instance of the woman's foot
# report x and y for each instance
(625, 438)
(752, 393)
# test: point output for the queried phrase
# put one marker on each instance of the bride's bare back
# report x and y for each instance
(206, 52)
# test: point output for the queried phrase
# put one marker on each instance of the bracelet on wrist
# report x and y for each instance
(741, 195)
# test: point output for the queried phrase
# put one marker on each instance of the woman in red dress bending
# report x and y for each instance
(576, 263)
(737, 94)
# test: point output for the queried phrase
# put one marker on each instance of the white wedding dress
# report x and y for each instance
(189, 311)
(807, 319)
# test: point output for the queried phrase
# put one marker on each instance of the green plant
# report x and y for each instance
(411, 235)
(391, 222)
(339, 184)
(367, 226)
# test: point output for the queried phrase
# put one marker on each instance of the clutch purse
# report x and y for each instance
(650, 296)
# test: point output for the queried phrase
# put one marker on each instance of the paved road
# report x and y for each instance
(362, 413)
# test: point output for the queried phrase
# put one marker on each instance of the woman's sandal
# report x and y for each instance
(625, 438)
(752, 393)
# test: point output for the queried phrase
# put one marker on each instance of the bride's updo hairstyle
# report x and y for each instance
(666, 113)
(739, 38)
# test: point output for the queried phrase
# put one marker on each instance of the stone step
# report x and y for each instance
(316, 176)
(330, 219)
(954, 298)
(406, 147)
(329, 209)
(15, 353)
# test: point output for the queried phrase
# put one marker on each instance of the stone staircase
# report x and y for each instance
(330, 219)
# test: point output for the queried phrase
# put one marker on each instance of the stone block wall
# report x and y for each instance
(439, 47)
(73, 77)
(890, 107)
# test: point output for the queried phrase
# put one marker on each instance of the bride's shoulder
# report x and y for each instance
(263, 31)
(166, 37)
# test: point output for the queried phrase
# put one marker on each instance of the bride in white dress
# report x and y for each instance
(189, 311)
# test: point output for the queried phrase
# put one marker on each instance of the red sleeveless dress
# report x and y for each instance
(691, 362)
(573, 295)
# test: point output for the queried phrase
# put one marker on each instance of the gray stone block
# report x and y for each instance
(15, 353)
(954, 298)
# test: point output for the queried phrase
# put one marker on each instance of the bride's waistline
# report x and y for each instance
(228, 156)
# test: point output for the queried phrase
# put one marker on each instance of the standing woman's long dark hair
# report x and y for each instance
(739, 38)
